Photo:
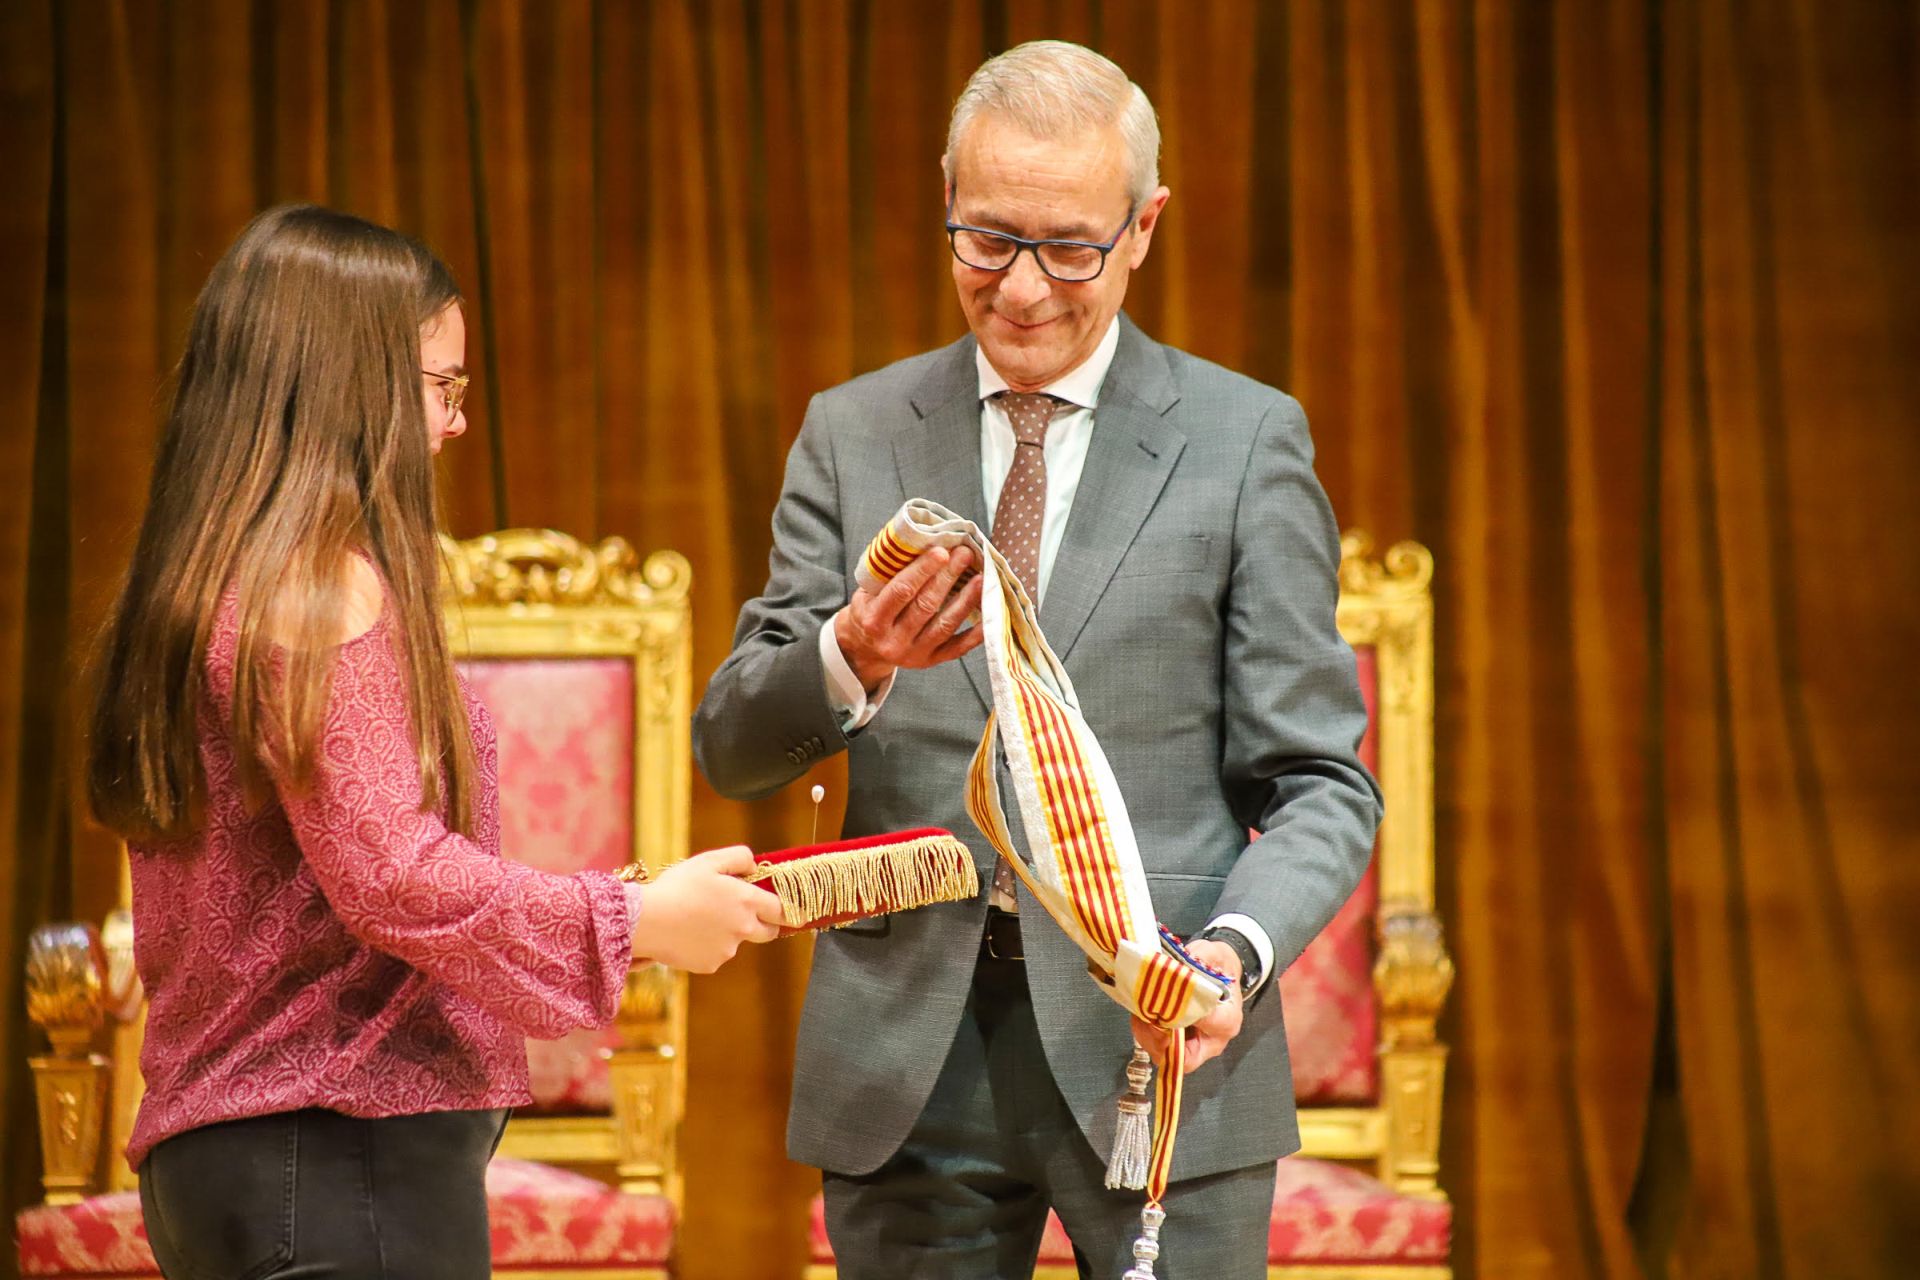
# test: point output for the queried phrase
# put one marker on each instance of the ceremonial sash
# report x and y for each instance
(1085, 867)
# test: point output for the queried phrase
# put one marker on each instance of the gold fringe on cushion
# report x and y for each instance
(871, 881)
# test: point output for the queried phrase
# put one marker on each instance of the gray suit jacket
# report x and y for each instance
(1192, 602)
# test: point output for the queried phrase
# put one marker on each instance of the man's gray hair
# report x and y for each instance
(1056, 90)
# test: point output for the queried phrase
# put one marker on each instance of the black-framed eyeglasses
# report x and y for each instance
(453, 389)
(1068, 261)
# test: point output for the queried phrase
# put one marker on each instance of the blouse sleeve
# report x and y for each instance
(544, 953)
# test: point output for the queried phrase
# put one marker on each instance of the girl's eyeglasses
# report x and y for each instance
(453, 389)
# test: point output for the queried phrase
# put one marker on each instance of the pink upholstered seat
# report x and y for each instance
(1326, 1213)
(546, 1218)
(100, 1236)
(543, 1218)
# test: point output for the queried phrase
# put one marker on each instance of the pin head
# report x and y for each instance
(819, 793)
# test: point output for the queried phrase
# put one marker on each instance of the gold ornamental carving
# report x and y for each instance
(545, 567)
(1405, 571)
(644, 1141)
(1386, 603)
(667, 654)
(647, 1002)
(66, 974)
(1412, 975)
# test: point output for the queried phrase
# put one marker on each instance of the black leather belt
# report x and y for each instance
(1002, 939)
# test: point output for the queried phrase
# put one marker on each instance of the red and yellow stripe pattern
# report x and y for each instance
(1167, 1085)
(887, 555)
(1162, 988)
(1077, 825)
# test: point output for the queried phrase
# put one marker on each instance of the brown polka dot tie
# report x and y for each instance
(1023, 499)
(1017, 522)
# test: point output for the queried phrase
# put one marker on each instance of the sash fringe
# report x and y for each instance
(864, 882)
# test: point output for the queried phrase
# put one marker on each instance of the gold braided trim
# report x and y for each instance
(866, 882)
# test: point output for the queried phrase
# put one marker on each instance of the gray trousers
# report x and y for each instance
(966, 1196)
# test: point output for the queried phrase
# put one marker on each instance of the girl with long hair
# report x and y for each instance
(340, 968)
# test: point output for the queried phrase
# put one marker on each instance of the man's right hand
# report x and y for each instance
(913, 621)
(695, 914)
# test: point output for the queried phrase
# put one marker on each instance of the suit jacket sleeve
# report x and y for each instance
(766, 719)
(1293, 711)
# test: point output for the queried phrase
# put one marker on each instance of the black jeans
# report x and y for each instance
(308, 1194)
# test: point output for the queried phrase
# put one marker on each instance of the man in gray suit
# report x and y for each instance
(957, 1069)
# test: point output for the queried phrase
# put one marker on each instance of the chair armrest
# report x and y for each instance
(125, 1000)
(66, 981)
(647, 1074)
(1411, 977)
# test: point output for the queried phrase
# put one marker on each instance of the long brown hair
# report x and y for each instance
(297, 437)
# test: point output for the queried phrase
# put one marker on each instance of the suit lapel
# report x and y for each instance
(1128, 461)
(1131, 454)
(939, 457)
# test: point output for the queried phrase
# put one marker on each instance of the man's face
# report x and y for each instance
(1033, 328)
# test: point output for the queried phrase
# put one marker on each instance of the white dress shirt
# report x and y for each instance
(1068, 434)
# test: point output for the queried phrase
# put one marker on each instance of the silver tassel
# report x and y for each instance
(1147, 1248)
(1133, 1135)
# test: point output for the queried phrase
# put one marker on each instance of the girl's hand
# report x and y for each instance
(695, 914)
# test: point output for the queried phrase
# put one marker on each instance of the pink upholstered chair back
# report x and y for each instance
(566, 738)
(1332, 1021)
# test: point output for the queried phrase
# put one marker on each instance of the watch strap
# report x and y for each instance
(1250, 974)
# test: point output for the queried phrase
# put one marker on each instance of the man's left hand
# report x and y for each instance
(1207, 1039)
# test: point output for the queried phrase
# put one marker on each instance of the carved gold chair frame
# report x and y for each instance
(1386, 603)
(519, 593)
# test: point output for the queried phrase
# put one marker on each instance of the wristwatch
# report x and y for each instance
(1249, 958)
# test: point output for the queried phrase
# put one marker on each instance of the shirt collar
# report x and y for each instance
(1080, 386)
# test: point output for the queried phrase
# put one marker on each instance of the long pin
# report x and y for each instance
(818, 793)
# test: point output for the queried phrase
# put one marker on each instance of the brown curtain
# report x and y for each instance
(1607, 301)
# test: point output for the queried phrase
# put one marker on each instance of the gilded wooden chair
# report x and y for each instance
(1361, 1201)
(582, 656)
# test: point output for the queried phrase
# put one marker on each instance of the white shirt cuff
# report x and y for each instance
(847, 696)
(1249, 928)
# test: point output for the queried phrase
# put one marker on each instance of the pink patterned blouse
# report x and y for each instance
(342, 949)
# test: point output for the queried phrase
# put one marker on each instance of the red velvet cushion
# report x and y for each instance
(565, 728)
(1328, 992)
(545, 1217)
(1323, 1213)
(103, 1236)
(1328, 1213)
(542, 1217)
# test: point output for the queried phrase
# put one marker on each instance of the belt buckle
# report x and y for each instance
(994, 919)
